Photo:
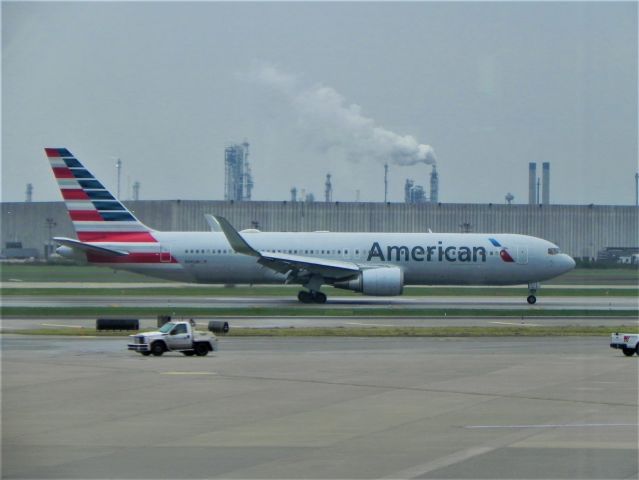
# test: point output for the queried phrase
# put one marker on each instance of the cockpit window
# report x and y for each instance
(553, 251)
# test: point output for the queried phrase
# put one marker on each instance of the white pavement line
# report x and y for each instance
(188, 373)
(370, 324)
(59, 325)
(519, 324)
(446, 461)
(557, 425)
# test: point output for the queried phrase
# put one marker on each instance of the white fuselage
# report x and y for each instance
(425, 258)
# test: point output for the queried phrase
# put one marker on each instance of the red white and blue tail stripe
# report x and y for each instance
(96, 214)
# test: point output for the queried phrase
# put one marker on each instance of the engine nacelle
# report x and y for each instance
(383, 281)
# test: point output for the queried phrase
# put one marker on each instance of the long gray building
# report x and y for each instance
(580, 230)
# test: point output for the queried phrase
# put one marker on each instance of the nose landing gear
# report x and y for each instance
(311, 297)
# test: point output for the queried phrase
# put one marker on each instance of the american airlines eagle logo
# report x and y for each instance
(503, 253)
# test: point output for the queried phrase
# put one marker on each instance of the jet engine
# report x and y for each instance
(385, 281)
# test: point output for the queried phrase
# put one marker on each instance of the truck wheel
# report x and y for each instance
(157, 349)
(628, 352)
(201, 349)
(188, 353)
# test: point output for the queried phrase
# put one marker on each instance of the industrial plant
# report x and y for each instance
(416, 194)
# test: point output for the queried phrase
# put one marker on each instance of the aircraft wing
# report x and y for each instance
(283, 263)
(87, 247)
(295, 266)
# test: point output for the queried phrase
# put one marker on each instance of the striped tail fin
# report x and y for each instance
(96, 214)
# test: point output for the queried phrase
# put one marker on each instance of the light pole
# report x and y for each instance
(637, 189)
(118, 165)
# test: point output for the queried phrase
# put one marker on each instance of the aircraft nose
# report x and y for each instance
(569, 262)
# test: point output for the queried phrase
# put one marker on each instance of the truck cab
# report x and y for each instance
(175, 336)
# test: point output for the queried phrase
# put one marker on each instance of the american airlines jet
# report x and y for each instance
(371, 263)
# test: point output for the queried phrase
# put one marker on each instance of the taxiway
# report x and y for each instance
(320, 408)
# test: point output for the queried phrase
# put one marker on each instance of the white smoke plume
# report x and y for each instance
(332, 123)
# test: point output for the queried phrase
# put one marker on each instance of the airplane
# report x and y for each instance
(377, 264)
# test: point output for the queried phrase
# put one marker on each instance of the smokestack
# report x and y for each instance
(545, 183)
(385, 182)
(294, 194)
(434, 186)
(29, 193)
(532, 181)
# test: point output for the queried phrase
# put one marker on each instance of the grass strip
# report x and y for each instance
(292, 292)
(30, 272)
(505, 331)
(304, 311)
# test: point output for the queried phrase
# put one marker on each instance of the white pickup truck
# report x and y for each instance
(628, 343)
(174, 336)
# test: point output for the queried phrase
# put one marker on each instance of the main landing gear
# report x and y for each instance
(311, 297)
(532, 289)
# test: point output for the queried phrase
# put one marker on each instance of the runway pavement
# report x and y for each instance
(450, 302)
(320, 408)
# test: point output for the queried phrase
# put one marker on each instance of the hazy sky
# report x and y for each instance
(324, 87)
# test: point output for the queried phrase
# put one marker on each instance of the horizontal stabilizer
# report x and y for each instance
(87, 247)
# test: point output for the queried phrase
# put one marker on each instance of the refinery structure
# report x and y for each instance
(238, 181)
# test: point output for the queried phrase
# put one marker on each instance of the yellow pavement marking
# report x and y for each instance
(59, 325)
(518, 324)
(188, 373)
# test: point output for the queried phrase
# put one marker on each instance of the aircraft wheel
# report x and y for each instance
(304, 297)
(531, 299)
(319, 297)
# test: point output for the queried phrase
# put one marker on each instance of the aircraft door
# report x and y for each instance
(165, 254)
(522, 255)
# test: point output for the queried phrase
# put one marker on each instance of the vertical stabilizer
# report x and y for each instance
(96, 214)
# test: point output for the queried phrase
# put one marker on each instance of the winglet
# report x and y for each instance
(234, 238)
(212, 221)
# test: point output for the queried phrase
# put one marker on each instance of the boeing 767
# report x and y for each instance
(108, 234)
